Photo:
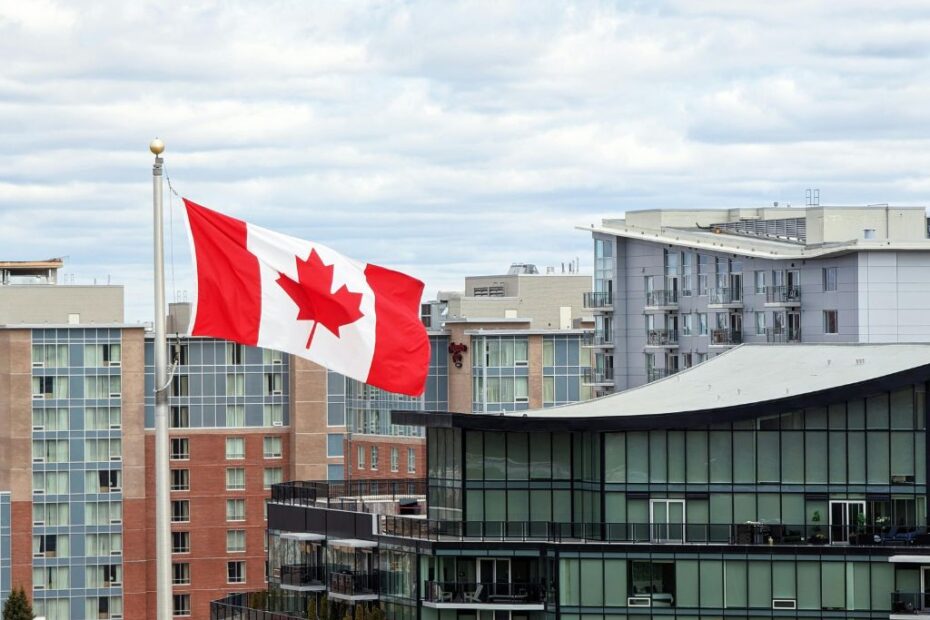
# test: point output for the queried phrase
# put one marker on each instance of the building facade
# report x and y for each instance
(674, 287)
(802, 494)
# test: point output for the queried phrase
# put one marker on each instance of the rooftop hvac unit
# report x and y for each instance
(639, 601)
(784, 603)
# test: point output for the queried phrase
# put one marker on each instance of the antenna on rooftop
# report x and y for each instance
(812, 197)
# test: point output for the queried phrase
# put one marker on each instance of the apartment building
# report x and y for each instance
(725, 490)
(674, 287)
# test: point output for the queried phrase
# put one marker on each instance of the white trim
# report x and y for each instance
(667, 523)
(353, 543)
(302, 536)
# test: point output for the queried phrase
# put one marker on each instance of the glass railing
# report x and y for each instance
(348, 495)
(596, 339)
(598, 375)
(485, 593)
(654, 374)
(661, 337)
(353, 583)
(598, 300)
(910, 602)
(725, 337)
(781, 334)
(661, 298)
(303, 575)
(783, 294)
(720, 296)
(260, 606)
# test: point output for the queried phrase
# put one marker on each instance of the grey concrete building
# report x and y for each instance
(674, 287)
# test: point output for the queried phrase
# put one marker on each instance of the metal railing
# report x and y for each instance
(598, 300)
(782, 334)
(749, 534)
(353, 583)
(725, 336)
(654, 374)
(597, 339)
(303, 575)
(783, 294)
(351, 495)
(661, 337)
(261, 605)
(598, 375)
(661, 298)
(909, 602)
(727, 295)
(487, 593)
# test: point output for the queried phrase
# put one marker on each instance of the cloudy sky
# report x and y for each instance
(443, 138)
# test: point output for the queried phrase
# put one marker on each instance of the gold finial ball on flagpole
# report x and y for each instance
(157, 147)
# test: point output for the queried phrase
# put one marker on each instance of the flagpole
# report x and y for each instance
(162, 524)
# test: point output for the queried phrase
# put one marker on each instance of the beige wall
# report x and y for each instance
(16, 413)
(538, 298)
(37, 304)
(308, 420)
(828, 224)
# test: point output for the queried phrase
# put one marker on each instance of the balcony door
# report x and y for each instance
(494, 577)
(667, 520)
(845, 517)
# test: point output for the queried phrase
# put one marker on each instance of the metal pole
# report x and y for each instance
(162, 523)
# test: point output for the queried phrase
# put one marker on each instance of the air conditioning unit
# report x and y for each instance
(38, 555)
(38, 428)
(784, 603)
(116, 458)
(38, 396)
(38, 491)
(277, 423)
(114, 394)
(520, 363)
(38, 586)
(275, 392)
(116, 552)
(116, 584)
(276, 361)
(521, 400)
(38, 364)
(38, 459)
(116, 489)
(38, 522)
(113, 364)
(639, 601)
(115, 521)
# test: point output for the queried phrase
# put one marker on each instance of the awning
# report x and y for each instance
(354, 543)
(302, 536)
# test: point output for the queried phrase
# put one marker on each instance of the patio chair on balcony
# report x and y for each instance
(475, 597)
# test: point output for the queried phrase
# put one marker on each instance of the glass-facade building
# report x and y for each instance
(726, 491)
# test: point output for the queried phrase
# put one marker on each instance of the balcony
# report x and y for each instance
(303, 578)
(910, 605)
(782, 296)
(599, 301)
(654, 374)
(260, 606)
(598, 376)
(596, 340)
(660, 301)
(353, 585)
(667, 338)
(503, 596)
(725, 298)
(782, 335)
(725, 337)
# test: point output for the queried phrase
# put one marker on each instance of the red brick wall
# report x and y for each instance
(384, 444)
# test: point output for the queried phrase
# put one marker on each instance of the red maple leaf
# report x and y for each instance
(314, 297)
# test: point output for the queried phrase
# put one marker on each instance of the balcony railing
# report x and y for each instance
(725, 337)
(353, 583)
(596, 339)
(351, 495)
(598, 300)
(781, 334)
(658, 299)
(661, 337)
(790, 295)
(260, 606)
(303, 575)
(910, 602)
(748, 534)
(485, 593)
(601, 376)
(654, 374)
(725, 296)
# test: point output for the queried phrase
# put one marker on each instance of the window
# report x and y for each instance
(103, 481)
(868, 233)
(50, 451)
(50, 578)
(180, 417)
(650, 578)
(234, 353)
(180, 542)
(49, 513)
(273, 415)
(687, 360)
(101, 355)
(179, 352)
(180, 385)
(760, 323)
(830, 325)
(235, 448)
(235, 572)
(687, 322)
(180, 511)
(273, 475)
(235, 385)
(104, 575)
(235, 510)
(50, 356)
(829, 278)
(274, 382)
(501, 352)
(181, 574)
(101, 418)
(181, 605)
(361, 457)
(102, 450)
(702, 324)
(271, 447)
(235, 416)
(411, 461)
(374, 457)
(334, 447)
(52, 608)
(51, 482)
(49, 387)
(103, 544)
(180, 448)
(103, 607)
(103, 513)
(395, 459)
(235, 479)
(102, 387)
(51, 546)
(235, 541)
(759, 281)
(180, 480)
(50, 419)
(270, 356)
(701, 357)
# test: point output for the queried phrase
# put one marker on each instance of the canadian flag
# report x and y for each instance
(265, 289)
